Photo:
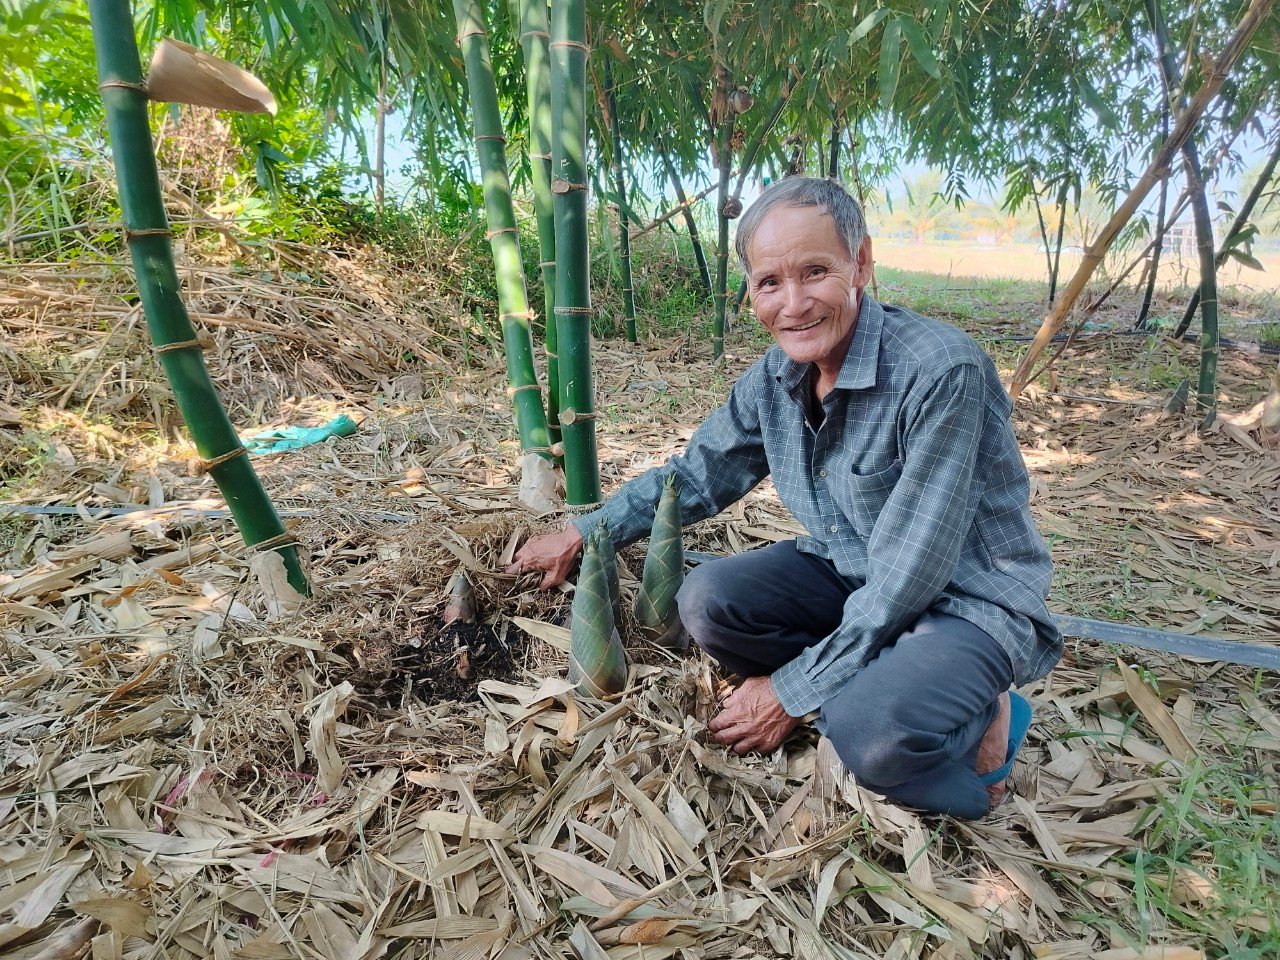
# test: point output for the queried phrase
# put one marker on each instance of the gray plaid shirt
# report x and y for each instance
(912, 486)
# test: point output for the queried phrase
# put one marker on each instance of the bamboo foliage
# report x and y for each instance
(504, 240)
(151, 250)
(1215, 76)
(573, 277)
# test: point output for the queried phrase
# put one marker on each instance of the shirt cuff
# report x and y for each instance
(794, 691)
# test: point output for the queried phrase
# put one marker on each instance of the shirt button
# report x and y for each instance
(822, 472)
(833, 528)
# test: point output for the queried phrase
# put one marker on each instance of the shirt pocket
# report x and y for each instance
(863, 495)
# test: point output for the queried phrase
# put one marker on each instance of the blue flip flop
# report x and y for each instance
(1019, 724)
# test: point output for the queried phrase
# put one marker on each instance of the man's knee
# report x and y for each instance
(874, 742)
(701, 601)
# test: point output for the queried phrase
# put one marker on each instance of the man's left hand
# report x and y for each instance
(751, 718)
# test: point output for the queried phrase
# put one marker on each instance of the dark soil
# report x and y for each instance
(442, 662)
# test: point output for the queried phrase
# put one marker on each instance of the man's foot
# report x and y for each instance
(994, 749)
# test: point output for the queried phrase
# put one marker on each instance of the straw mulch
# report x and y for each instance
(189, 769)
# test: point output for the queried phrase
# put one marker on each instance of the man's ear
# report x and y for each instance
(862, 275)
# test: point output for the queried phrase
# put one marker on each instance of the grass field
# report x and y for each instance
(1024, 261)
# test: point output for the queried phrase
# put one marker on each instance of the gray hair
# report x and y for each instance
(851, 226)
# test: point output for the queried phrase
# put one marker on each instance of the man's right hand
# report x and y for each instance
(552, 553)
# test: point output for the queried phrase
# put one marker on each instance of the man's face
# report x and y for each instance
(804, 286)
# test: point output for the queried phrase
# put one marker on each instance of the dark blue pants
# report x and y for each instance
(908, 724)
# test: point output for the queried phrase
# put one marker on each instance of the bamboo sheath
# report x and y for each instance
(151, 250)
(535, 33)
(573, 278)
(597, 661)
(656, 607)
(1094, 253)
(504, 241)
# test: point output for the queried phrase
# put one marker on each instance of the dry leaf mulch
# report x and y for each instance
(187, 771)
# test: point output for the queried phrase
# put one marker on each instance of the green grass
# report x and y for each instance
(1217, 832)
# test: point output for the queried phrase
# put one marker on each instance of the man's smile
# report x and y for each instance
(807, 326)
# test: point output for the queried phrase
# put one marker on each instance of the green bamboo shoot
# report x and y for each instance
(664, 573)
(597, 661)
(504, 239)
(573, 276)
(609, 560)
(151, 250)
(535, 33)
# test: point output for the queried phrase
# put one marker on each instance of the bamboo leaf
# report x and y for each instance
(868, 24)
(890, 61)
(921, 49)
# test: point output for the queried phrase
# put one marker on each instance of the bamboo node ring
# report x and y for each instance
(123, 85)
(471, 33)
(199, 465)
(546, 263)
(536, 33)
(131, 235)
(522, 315)
(512, 391)
(564, 186)
(571, 43)
(490, 234)
(198, 343)
(491, 136)
(575, 311)
(285, 539)
(569, 416)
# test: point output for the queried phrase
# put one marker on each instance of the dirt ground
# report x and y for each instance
(194, 763)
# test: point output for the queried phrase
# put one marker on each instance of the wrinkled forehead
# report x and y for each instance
(797, 229)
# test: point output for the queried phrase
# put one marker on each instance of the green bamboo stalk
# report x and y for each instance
(597, 661)
(724, 134)
(504, 239)
(573, 269)
(1237, 226)
(620, 188)
(151, 250)
(664, 573)
(689, 221)
(535, 33)
(1206, 393)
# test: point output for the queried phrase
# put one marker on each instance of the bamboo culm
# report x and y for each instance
(504, 240)
(724, 137)
(151, 250)
(1237, 225)
(1206, 394)
(620, 188)
(1157, 248)
(690, 222)
(573, 269)
(535, 30)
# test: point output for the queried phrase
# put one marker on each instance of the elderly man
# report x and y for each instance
(918, 596)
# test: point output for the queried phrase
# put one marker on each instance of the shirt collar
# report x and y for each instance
(858, 370)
